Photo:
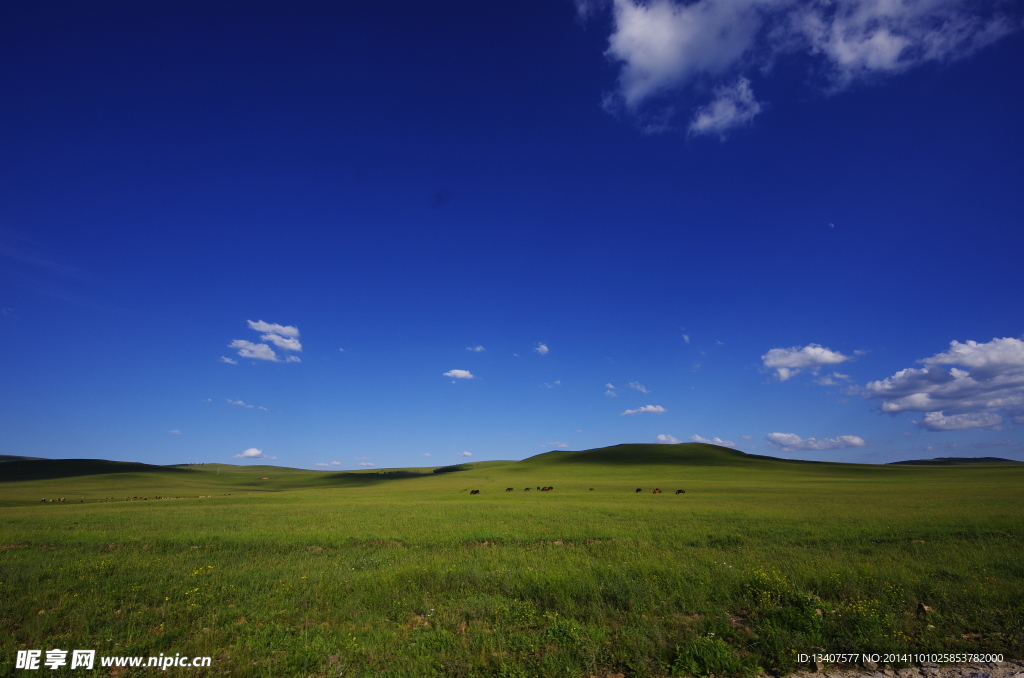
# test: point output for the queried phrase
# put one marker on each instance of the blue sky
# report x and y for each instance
(394, 234)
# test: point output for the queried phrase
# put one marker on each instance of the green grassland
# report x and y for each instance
(284, 572)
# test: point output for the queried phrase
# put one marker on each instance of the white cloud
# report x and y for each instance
(556, 383)
(656, 409)
(791, 442)
(636, 385)
(263, 408)
(287, 343)
(227, 360)
(285, 337)
(664, 48)
(556, 444)
(175, 432)
(247, 349)
(271, 328)
(936, 421)
(542, 349)
(253, 453)
(426, 454)
(611, 394)
(459, 374)
(668, 440)
(342, 350)
(746, 437)
(475, 349)
(239, 403)
(990, 390)
(713, 441)
(465, 454)
(293, 359)
(733, 106)
(365, 463)
(686, 338)
(332, 463)
(789, 361)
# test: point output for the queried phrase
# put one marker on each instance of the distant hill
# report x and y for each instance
(952, 461)
(40, 469)
(14, 457)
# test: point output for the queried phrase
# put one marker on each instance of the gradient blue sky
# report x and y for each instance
(762, 221)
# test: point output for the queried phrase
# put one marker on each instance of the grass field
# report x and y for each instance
(282, 572)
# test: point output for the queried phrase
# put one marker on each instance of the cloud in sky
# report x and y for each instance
(229, 361)
(465, 454)
(556, 444)
(656, 409)
(331, 463)
(788, 362)
(175, 432)
(542, 349)
(459, 374)
(636, 385)
(686, 338)
(253, 453)
(830, 379)
(239, 403)
(987, 393)
(714, 441)
(733, 106)
(664, 48)
(668, 440)
(791, 442)
(365, 463)
(475, 349)
(284, 337)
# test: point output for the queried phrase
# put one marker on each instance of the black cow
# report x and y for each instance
(680, 491)
(639, 490)
(474, 491)
(508, 489)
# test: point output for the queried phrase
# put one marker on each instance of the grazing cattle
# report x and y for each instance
(546, 489)
(656, 491)
(526, 489)
(474, 491)
(639, 490)
(680, 491)
(591, 489)
(508, 489)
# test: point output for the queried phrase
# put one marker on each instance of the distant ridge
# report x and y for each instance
(950, 461)
(37, 469)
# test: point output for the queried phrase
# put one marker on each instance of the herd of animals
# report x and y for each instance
(548, 489)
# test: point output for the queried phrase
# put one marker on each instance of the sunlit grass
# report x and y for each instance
(757, 562)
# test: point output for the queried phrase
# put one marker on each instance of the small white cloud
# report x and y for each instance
(286, 343)
(746, 437)
(465, 454)
(668, 440)
(656, 409)
(342, 350)
(459, 374)
(229, 361)
(293, 359)
(332, 463)
(713, 441)
(475, 349)
(789, 361)
(556, 444)
(542, 349)
(733, 106)
(791, 442)
(207, 400)
(175, 432)
(686, 338)
(608, 386)
(579, 430)
(263, 408)
(426, 454)
(611, 394)
(282, 330)
(253, 453)
(365, 463)
(247, 349)
(636, 385)
(239, 403)
(546, 385)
